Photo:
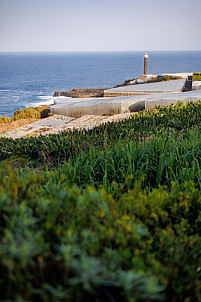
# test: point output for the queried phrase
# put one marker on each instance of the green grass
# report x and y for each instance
(160, 160)
(110, 214)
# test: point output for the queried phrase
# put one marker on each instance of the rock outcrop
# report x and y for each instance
(81, 93)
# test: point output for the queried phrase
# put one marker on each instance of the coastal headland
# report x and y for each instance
(87, 108)
(132, 96)
(115, 209)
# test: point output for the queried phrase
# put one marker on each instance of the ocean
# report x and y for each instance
(30, 79)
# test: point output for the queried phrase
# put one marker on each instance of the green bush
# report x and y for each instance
(63, 245)
(197, 76)
(30, 112)
(5, 120)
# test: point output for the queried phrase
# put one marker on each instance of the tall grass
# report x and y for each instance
(158, 161)
(54, 148)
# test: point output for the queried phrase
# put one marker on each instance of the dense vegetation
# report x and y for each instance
(109, 214)
(197, 76)
(30, 112)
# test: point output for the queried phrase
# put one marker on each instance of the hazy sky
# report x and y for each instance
(100, 25)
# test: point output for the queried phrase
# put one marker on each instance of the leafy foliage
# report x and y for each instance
(115, 215)
(197, 76)
(62, 244)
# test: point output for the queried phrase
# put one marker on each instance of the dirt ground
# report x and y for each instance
(13, 125)
(54, 125)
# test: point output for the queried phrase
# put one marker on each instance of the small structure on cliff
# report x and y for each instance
(131, 96)
(145, 63)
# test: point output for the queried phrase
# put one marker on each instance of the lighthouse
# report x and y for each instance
(145, 63)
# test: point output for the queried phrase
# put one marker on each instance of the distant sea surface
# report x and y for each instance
(30, 79)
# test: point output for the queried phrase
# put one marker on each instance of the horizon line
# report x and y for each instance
(94, 51)
(140, 50)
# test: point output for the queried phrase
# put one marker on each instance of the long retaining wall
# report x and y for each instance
(164, 102)
(96, 106)
(99, 109)
(108, 93)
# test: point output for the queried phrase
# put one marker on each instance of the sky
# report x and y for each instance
(99, 25)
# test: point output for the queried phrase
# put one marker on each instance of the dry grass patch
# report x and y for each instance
(13, 125)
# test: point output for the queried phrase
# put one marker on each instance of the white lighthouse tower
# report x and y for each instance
(145, 63)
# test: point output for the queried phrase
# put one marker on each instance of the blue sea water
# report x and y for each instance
(30, 79)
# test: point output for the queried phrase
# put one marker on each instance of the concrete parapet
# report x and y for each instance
(96, 106)
(164, 102)
(136, 107)
(196, 85)
(78, 111)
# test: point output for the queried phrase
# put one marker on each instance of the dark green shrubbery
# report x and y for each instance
(64, 245)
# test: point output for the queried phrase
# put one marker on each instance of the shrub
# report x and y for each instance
(30, 112)
(197, 76)
(63, 245)
(5, 120)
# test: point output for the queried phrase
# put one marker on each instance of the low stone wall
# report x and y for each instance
(128, 93)
(196, 85)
